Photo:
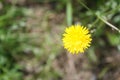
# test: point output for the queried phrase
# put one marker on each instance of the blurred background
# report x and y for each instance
(31, 47)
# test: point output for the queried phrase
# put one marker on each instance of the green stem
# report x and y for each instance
(109, 24)
(99, 17)
(69, 12)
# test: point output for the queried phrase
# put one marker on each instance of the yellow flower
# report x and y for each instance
(76, 39)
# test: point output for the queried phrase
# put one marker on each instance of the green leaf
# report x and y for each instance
(114, 39)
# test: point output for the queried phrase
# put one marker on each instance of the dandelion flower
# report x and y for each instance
(76, 39)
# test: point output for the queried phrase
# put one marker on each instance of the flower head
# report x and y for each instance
(76, 39)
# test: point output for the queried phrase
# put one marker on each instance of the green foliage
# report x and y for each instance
(10, 42)
(114, 39)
